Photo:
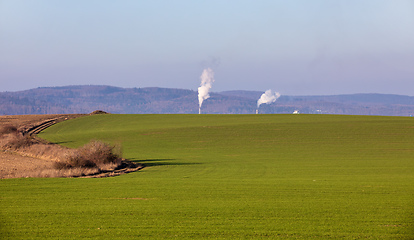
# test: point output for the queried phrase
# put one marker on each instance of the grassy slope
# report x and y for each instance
(228, 176)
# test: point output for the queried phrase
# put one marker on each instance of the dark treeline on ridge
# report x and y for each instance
(87, 98)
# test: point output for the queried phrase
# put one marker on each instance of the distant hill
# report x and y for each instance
(87, 98)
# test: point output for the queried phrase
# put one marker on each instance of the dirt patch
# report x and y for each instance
(14, 165)
(38, 158)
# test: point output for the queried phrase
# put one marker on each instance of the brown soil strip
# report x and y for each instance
(14, 165)
(28, 123)
(126, 167)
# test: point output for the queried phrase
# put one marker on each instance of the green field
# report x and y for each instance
(227, 177)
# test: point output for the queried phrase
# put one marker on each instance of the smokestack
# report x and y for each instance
(207, 79)
(267, 97)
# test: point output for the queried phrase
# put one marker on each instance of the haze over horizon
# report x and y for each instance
(293, 47)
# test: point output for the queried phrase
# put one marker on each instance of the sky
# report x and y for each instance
(295, 47)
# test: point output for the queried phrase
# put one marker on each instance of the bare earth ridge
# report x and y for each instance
(18, 164)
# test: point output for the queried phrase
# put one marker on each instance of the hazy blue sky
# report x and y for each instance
(293, 47)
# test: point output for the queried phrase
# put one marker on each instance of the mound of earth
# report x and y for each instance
(98, 112)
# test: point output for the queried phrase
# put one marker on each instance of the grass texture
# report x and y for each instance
(227, 177)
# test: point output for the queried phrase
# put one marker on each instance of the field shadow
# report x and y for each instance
(160, 162)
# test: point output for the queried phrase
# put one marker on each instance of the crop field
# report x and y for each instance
(227, 177)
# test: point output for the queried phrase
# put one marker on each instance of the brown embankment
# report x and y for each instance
(22, 154)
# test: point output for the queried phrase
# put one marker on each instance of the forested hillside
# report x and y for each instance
(85, 99)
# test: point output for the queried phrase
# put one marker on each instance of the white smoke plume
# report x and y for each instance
(268, 97)
(207, 79)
